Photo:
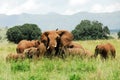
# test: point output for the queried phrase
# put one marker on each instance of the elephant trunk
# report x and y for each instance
(52, 45)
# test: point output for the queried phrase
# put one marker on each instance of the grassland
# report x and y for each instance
(71, 68)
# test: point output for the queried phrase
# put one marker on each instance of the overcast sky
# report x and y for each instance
(66, 7)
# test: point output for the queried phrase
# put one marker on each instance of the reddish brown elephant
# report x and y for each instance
(105, 50)
(56, 41)
(66, 38)
(88, 53)
(79, 51)
(31, 52)
(42, 49)
(75, 45)
(50, 40)
(24, 44)
(15, 57)
(75, 51)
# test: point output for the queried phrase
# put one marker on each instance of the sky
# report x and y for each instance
(64, 7)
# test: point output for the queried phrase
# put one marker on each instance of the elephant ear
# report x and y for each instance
(65, 37)
(46, 33)
(44, 38)
(61, 32)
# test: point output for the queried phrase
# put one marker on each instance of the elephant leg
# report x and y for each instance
(104, 54)
(113, 54)
(96, 54)
(57, 51)
(63, 54)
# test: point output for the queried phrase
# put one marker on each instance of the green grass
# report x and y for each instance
(71, 68)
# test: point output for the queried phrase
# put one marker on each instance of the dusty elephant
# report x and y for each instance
(75, 52)
(56, 41)
(15, 57)
(24, 44)
(42, 49)
(105, 50)
(66, 38)
(50, 40)
(31, 52)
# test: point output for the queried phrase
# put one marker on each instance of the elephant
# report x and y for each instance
(56, 40)
(105, 50)
(75, 51)
(75, 45)
(31, 52)
(79, 52)
(24, 44)
(15, 57)
(50, 40)
(66, 38)
(88, 53)
(42, 49)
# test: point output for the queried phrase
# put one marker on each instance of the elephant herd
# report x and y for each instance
(58, 43)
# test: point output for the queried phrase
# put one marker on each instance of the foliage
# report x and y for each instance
(118, 34)
(26, 31)
(88, 30)
(20, 66)
(71, 68)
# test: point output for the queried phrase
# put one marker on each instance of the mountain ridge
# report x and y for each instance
(51, 21)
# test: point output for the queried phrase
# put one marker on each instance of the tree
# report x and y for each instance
(14, 34)
(118, 34)
(26, 31)
(87, 30)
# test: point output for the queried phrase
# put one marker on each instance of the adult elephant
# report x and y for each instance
(56, 40)
(66, 38)
(24, 44)
(105, 50)
(75, 45)
(50, 40)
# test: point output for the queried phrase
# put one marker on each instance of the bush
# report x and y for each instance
(26, 31)
(118, 34)
(20, 66)
(75, 77)
(88, 30)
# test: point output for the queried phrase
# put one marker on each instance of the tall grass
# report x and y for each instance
(71, 68)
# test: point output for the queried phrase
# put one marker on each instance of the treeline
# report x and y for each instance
(88, 30)
(85, 30)
(26, 31)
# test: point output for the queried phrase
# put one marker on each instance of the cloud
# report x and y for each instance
(97, 8)
(77, 2)
(67, 7)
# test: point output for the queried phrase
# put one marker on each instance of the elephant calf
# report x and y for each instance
(31, 52)
(24, 44)
(105, 50)
(15, 57)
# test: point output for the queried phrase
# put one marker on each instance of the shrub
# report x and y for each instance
(26, 31)
(74, 77)
(88, 30)
(20, 66)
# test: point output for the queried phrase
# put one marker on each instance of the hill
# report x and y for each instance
(52, 20)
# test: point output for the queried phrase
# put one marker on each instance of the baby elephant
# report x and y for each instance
(105, 50)
(31, 52)
(15, 57)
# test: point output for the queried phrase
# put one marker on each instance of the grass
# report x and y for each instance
(71, 68)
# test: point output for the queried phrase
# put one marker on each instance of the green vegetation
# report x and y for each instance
(88, 30)
(118, 34)
(26, 31)
(71, 68)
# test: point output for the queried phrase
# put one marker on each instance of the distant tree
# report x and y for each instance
(14, 34)
(118, 34)
(87, 30)
(26, 31)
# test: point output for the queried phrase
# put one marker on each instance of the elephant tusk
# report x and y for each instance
(48, 47)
